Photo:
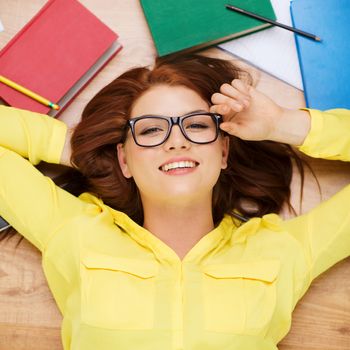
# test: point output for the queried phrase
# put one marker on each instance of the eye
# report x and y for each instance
(198, 123)
(197, 126)
(151, 131)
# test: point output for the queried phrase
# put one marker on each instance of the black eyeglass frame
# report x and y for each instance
(217, 118)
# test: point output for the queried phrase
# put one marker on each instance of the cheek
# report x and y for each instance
(214, 164)
(141, 164)
(129, 159)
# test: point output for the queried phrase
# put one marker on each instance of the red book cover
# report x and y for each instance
(56, 54)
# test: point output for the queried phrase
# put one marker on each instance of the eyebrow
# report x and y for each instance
(162, 115)
(197, 111)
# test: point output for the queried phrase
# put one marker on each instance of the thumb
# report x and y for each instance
(231, 128)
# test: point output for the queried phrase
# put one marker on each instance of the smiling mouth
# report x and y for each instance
(178, 165)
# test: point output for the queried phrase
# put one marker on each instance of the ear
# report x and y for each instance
(122, 160)
(225, 151)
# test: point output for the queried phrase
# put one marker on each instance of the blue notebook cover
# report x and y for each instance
(325, 65)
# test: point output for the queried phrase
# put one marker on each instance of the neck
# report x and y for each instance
(180, 227)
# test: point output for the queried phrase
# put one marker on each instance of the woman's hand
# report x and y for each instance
(251, 115)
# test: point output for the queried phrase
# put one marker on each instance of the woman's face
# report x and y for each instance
(150, 166)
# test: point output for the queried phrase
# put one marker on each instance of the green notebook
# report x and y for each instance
(178, 25)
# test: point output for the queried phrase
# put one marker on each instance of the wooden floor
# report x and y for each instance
(29, 319)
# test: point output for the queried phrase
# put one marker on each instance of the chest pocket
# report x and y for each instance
(117, 293)
(239, 298)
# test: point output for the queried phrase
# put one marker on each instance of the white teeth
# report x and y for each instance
(175, 165)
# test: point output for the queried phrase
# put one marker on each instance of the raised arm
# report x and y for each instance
(34, 136)
(323, 234)
(29, 201)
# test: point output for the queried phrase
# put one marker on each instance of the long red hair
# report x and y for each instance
(258, 176)
(258, 173)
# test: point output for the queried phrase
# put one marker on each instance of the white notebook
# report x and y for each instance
(272, 50)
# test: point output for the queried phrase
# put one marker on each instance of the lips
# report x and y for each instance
(173, 164)
(178, 165)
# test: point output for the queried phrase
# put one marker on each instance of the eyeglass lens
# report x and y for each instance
(197, 128)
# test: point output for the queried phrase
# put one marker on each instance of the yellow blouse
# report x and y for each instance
(120, 287)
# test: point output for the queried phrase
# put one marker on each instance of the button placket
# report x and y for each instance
(178, 308)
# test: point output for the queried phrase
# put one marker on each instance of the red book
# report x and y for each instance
(55, 55)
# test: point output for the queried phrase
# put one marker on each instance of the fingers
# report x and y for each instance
(237, 89)
(235, 96)
(220, 109)
(230, 101)
(241, 86)
(225, 104)
(230, 128)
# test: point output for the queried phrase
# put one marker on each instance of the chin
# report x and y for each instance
(186, 195)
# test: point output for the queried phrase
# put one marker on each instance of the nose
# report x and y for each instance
(176, 139)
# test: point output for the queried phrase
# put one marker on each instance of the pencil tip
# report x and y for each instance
(318, 39)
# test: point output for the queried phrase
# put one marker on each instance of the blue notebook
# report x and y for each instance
(325, 65)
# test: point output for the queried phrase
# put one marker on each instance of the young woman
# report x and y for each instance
(176, 242)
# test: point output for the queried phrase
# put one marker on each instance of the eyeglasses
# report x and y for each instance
(197, 127)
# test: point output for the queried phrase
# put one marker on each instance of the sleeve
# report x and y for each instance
(329, 136)
(32, 135)
(30, 201)
(324, 232)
